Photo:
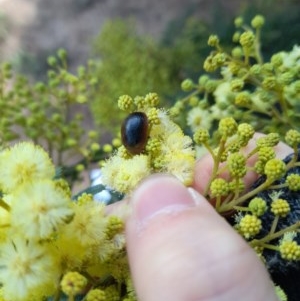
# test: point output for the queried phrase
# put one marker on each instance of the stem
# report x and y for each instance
(274, 225)
(57, 295)
(246, 196)
(279, 186)
(271, 247)
(294, 159)
(218, 202)
(258, 54)
(71, 298)
(240, 208)
(4, 205)
(216, 159)
(270, 237)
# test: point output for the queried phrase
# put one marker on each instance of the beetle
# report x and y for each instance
(134, 132)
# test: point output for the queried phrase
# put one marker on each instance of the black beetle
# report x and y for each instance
(134, 132)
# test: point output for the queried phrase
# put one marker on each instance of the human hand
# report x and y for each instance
(181, 249)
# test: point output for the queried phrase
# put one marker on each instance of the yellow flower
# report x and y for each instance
(198, 118)
(73, 283)
(88, 224)
(39, 209)
(176, 152)
(27, 270)
(223, 95)
(71, 252)
(22, 163)
(124, 174)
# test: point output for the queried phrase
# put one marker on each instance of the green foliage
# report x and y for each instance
(130, 64)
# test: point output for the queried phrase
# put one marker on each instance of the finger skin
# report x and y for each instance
(190, 254)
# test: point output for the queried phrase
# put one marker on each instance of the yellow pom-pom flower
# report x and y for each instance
(219, 187)
(266, 153)
(22, 163)
(245, 130)
(28, 270)
(125, 102)
(249, 225)
(152, 99)
(289, 250)
(293, 182)
(38, 209)
(280, 207)
(114, 226)
(198, 118)
(270, 140)
(73, 283)
(152, 115)
(124, 174)
(236, 164)
(88, 224)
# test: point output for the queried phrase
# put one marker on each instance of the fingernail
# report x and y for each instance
(160, 194)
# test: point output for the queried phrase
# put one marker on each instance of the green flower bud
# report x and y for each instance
(276, 60)
(236, 164)
(269, 83)
(243, 99)
(236, 85)
(247, 39)
(203, 79)
(213, 41)
(51, 60)
(227, 126)
(258, 206)
(62, 54)
(236, 37)
(258, 21)
(238, 22)
(275, 169)
(201, 136)
(187, 85)
(237, 52)
(293, 182)
(292, 138)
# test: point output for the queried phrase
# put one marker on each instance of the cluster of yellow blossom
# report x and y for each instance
(45, 235)
(166, 148)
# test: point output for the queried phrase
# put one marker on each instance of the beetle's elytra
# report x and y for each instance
(134, 132)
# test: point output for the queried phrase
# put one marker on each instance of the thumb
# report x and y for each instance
(179, 248)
